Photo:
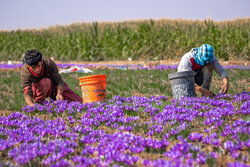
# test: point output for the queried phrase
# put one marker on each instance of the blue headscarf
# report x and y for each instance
(204, 54)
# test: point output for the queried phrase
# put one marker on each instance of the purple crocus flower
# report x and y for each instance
(214, 155)
(129, 128)
(247, 143)
(237, 164)
(201, 158)
(235, 154)
(147, 162)
(229, 145)
(195, 136)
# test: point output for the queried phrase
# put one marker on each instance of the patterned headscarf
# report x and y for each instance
(204, 54)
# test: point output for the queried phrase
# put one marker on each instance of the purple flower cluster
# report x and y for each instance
(118, 131)
(195, 137)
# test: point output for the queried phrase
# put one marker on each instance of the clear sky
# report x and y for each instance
(23, 14)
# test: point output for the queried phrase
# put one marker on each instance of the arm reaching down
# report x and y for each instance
(60, 90)
(28, 100)
(204, 91)
(223, 74)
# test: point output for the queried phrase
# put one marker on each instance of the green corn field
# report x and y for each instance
(139, 40)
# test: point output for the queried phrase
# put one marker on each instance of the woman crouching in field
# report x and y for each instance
(202, 61)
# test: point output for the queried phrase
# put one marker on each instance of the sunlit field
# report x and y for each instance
(140, 124)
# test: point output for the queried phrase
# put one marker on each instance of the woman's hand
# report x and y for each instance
(59, 97)
(225, 85)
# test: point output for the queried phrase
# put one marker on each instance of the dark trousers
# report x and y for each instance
(204, 76)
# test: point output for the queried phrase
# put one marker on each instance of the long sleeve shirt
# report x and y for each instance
(187, 63)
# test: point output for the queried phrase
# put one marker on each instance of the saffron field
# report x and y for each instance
(154, 130)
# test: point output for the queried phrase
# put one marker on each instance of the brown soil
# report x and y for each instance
(4, 113)
(10, 69)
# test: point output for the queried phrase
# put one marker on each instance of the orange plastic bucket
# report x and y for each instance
(93, 88)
